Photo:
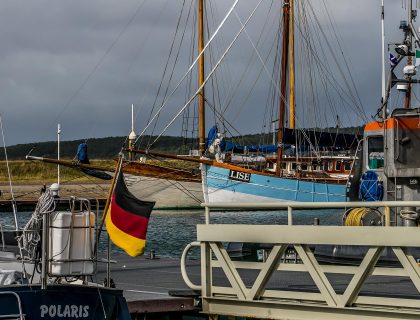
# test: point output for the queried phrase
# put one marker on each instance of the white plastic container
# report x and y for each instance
(71, 246)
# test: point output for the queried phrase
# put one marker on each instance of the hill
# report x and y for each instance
(108, 148)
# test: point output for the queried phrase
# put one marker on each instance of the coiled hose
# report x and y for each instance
(358, 217)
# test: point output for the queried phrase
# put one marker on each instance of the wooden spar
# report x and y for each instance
(201, 112)
(172, 156)
(291, 66)
(71, 163)
(283, 76)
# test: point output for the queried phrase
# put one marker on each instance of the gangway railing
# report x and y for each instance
(268, 293)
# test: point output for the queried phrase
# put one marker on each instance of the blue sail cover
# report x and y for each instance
(228, 146)
(334, 141)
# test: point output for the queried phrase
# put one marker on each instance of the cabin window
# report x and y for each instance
(347, 166)
(376, 152)
(330, 166)
(283, 165)
(304, 166)
(294, 166)
(338, 166)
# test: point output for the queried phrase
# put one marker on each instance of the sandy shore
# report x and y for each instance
(31, 191)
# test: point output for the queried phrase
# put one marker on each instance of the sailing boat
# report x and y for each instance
(233, 176)
(227, 176)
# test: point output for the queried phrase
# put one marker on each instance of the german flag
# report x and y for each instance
(127, 219)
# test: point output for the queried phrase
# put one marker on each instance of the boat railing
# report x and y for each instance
(19, 315)
(265, 292)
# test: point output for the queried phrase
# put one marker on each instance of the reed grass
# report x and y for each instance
(35, 172)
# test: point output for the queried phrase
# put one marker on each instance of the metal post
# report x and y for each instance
(45, 250)
(387, 217)
(289, 215)
(108, 264)
(207, 215)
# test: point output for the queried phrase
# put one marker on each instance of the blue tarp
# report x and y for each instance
(371, 188)
(82, 155)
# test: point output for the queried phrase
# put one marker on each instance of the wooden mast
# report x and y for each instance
(291, 67)
(201, 111)
(283, 81)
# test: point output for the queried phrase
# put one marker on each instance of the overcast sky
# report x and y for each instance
(82, 63)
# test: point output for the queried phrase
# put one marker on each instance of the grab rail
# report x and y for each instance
(8, 316)
(307, 205)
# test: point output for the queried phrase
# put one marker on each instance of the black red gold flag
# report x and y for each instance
(127, 219)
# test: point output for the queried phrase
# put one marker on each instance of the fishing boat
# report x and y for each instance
(48, 269)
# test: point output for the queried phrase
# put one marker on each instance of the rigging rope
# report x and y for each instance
(30, 237)
(189, 70)
(210, 74)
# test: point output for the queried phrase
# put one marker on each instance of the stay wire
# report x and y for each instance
(97, 65)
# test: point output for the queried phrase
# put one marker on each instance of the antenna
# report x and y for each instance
(58, 152)
(132, 117)
(10, 177)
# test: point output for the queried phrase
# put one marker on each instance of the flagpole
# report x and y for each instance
(108, 199)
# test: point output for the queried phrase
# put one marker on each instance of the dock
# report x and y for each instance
(156, 287)
(220, 284)
(153, 286)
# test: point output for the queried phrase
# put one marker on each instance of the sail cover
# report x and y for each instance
(306, 138)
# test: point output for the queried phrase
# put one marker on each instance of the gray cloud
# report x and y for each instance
(49, 48)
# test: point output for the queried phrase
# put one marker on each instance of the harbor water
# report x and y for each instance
(170, 231)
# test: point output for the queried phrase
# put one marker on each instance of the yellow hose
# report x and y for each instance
(355, 217)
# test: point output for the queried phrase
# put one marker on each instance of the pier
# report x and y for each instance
(222, 284)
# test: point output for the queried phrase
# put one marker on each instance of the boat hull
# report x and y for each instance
(63, 301)
(218, 186)
(168, 194)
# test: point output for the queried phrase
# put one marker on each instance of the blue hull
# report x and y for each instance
(63, 302)
(218, 187)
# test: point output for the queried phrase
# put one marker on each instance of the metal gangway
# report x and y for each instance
(314, 290)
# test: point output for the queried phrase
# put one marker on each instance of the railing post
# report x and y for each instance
(206, 272)
(387, 217)
(207, 214)
(289, 215)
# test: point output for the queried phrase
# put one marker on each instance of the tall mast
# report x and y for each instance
(383, 56)
(291, 67)
(283, 76)
(408, 41)
(201, 111)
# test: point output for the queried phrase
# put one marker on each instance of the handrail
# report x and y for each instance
(21, 316)
(2, 237)
(309, 205)
(184, 274)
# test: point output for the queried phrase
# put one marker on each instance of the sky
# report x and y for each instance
(83, 63)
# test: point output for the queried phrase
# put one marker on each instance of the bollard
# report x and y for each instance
(316, 221)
